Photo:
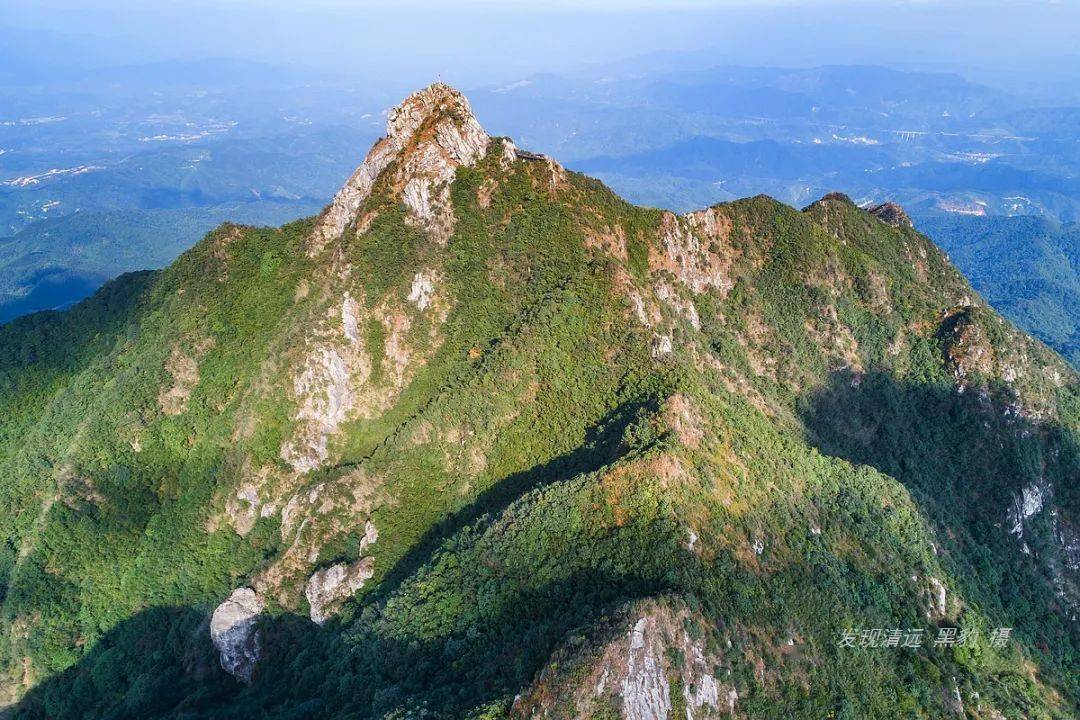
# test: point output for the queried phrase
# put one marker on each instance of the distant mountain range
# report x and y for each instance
(1027, 267)
(218, 135)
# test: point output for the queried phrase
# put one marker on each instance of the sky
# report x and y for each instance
(485, 41)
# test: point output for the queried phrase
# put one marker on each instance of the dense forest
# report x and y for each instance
(508, 445)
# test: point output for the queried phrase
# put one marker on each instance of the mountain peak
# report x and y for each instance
(892, 214)
(436, 103)
(428, 136)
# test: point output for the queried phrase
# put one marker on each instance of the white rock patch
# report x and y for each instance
(661, 346)
(1029, 503)
(350, 319)
(336, 582)
(422, 291)
(233, 632)
(705, 693)
(645, 693)
(323, 387)
(326, 587)
(937, 597)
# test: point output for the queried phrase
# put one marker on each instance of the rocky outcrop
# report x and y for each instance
(335, 583)
(1027, 504)
(1069, 540)
(936, 600)
(185, 373)
(891, 214)
(350, 319)
(234, 633)
(687, 250)
(661, 346)
(968, 351)
(645, 692)
(329, 512)
(428, 136)
(422, 290)
(324, 390)
(649, 669)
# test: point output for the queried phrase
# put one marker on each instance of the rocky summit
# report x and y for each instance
(484, 440)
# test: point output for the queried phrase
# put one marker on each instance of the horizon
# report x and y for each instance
(479, 44)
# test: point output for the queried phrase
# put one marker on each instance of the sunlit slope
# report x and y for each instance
(483, 439)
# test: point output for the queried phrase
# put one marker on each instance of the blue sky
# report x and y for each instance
(491, 41)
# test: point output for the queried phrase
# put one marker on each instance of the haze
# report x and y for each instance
(1021, 45)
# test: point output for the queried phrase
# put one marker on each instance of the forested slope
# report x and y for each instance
(484, 440)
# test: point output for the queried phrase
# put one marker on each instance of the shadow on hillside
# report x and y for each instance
(970, 448)
(964, 458)
(160, 663)
(601, 447)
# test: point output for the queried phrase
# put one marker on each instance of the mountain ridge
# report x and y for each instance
(507, 445)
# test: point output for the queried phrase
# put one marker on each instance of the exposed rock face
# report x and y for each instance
(422, 290)
(1069, 539)
(336, 582)
(242, 508)
(707, 693)
(686, 253)
(428, 136)
(681, 305)
(936, 596)
(700, 689)
(968, 351)
(350, 319)
(323, 387)
(1029, 503)
(233, 632)
(661, 345)
(185, 372)
(891, 214)
(645, 691)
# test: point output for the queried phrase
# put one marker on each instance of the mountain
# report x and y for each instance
(58, 261)
(1026, 267)
(105, 171)
(256, 143)
(484, 440)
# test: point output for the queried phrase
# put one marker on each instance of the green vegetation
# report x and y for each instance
(1026, 267)
(57, 262)
(539, 471)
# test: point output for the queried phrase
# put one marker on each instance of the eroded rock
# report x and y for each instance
(687, 250)
(662, 345)
(350, 319)
(423, 290)
(936, 597)
(335, 583)
(645, 691)
(1029, 503)
(428, 136)
(233, 630)
(185, 373)
(324, 390)
(891, 214)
